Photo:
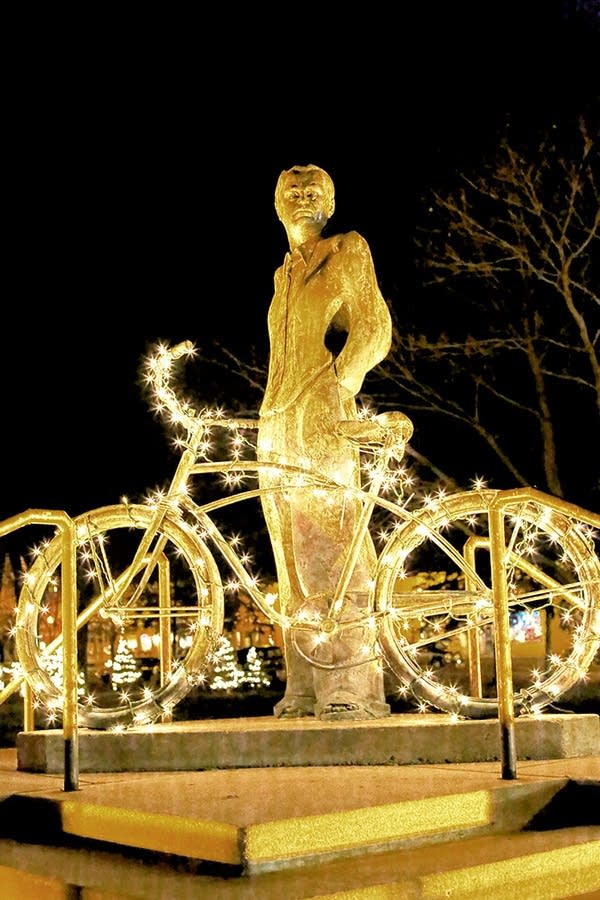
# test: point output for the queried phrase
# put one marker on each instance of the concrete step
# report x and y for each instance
(263, 840)
(448, 830)
(561, 863)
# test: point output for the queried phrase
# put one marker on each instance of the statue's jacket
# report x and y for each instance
(336, 285)
(308, 392)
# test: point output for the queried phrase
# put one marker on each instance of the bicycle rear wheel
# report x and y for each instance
(437, 630)
(144, 637)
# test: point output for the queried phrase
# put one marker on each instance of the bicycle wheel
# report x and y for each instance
(145, 637)
(437, 624)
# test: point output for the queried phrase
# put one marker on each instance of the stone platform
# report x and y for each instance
(404, 739)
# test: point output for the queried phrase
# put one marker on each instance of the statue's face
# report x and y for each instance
(303, 199)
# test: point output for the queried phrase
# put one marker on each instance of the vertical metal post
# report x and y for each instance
(69, 632)
(28, 712)
(68, 636)
(164, 602)
(475, 684)
(504, 681)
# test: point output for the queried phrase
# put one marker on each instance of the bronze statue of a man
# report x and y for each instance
(325, 285)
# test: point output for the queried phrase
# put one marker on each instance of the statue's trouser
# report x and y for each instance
(310, 689)
(311, 532)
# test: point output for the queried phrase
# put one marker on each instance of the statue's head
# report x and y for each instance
(309, 183)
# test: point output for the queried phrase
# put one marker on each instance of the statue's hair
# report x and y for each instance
(324, 177)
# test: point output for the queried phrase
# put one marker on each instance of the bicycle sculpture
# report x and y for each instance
(170, 561)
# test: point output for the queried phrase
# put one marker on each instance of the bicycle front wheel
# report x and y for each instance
(145, 637)
(433, 586)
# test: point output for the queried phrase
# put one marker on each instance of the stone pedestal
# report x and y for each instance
(405, 739)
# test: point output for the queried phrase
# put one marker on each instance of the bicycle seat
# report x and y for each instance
(397, 423)
(375, 431)
(362, 432)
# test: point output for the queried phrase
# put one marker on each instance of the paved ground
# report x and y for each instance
(254, 796)
(257, 794)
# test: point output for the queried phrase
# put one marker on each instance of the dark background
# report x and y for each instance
(142, 159)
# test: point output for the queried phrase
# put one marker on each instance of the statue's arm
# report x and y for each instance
(365, 314)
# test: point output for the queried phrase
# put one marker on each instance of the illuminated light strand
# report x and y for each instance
(433, 502)
(529, 546)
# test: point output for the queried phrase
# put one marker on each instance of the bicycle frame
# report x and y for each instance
(391, 439)
(178, 518)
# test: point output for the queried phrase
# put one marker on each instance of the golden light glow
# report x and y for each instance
(327, 482)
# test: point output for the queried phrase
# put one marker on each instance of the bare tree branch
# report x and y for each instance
(524, 234)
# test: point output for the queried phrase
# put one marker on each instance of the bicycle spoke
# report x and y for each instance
(428, 634)
(121, 605)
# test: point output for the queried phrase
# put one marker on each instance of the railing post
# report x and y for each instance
(164, 600)
(506, 712)
(65, 523)
(69, 631)
(28, 711)
(475, 682)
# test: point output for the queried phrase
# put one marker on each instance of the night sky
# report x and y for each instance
(141, 183)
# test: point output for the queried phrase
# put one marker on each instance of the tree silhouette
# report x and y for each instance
(509, 346)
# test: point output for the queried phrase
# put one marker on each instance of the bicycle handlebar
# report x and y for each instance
(182, 412)
(180, 350)
(393, 428)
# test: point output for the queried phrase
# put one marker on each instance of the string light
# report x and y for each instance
(408, 524)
